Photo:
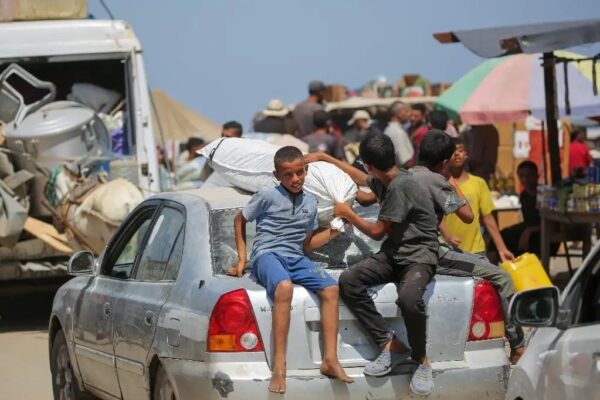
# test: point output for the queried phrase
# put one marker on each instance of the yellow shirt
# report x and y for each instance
(478, 195)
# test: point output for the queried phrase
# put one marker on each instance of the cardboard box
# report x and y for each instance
(31, 10)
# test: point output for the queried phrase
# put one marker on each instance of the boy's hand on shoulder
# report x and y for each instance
(237, 270)
(453, 182)
(314, 157)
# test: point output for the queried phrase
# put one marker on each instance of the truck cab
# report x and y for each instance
(104, 53)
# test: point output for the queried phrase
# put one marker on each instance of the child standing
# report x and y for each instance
(408, 258)
(468, 237)
(286, 218)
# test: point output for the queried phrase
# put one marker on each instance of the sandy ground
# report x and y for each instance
(24, 310)
(24, 366)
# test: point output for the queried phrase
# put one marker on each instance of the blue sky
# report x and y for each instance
(227, 58)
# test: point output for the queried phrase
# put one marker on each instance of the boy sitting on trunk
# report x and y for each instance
(408, 258)
(286, 218)
(432, 172)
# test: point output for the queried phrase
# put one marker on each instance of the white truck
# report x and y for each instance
(40, 62)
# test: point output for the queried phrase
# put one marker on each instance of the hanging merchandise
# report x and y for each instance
(521, 144)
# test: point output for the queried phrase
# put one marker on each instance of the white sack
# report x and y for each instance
(245, 163)
(248, 164)
(329, 185)
(103, 210)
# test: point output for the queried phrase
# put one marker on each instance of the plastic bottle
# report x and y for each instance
(571, 203)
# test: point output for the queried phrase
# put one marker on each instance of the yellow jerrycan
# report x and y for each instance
(526, 272)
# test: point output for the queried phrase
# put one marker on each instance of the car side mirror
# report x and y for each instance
(536, 307)
(81, 263)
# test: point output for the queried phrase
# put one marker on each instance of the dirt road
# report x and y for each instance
(24, 370)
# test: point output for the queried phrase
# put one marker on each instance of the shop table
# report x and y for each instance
(559, 227)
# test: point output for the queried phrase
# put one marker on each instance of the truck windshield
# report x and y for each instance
(341, 252)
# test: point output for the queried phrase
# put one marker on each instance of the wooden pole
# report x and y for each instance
(552, 115)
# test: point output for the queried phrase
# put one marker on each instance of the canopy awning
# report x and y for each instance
(178, 122)
(534, 38)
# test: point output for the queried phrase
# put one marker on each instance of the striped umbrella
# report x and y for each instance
(505, 89)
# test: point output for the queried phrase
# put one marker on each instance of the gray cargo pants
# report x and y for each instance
(458, 263)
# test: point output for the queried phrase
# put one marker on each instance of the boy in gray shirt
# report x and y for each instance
(408, 257)
(436, 149)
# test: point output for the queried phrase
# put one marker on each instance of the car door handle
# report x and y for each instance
(149, 318)
(107, 309)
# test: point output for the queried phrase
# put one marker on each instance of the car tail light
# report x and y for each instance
(232, 326)
(487, 320)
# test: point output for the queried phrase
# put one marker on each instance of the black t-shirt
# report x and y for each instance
(409, 207)
(531, 214)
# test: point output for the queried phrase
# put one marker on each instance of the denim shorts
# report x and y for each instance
(269, 269)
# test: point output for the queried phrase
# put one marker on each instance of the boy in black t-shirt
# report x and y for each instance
(408, 258)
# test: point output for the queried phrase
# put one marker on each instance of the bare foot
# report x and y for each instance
(334, 370)
(277, 384)
(515, 354)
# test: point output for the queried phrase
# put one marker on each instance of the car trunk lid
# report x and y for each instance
(448, 302)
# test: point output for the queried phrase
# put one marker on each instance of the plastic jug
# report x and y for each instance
(526, 272)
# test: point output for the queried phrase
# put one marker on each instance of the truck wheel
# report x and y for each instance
(163, 390)
(64, 383)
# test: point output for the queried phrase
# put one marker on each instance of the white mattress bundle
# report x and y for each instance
(248, 164)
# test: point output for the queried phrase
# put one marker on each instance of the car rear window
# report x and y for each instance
(344, 250)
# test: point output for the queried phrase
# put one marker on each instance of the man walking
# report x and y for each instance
(403, 148)
(304, 111)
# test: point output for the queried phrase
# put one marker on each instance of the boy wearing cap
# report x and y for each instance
(286, 220)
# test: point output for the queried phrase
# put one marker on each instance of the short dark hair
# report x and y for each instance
(287, 154)
(528, 164)
(419, 107)
(438, 119)
(193, 142)
(234, 125)
(395, 107)
(458, 141)
(320, 119)
(436, 147)
(576, 132)
(377, 150)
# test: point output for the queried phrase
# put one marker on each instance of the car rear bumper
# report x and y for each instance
(483, 374)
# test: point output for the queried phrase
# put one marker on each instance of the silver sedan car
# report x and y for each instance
(155, 317)
(562, 356)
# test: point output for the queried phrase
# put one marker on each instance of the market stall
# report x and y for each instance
(568, 209)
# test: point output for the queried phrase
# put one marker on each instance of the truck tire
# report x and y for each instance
(64, 382)
(163, 389)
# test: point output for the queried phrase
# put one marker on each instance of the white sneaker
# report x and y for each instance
(422, 381)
